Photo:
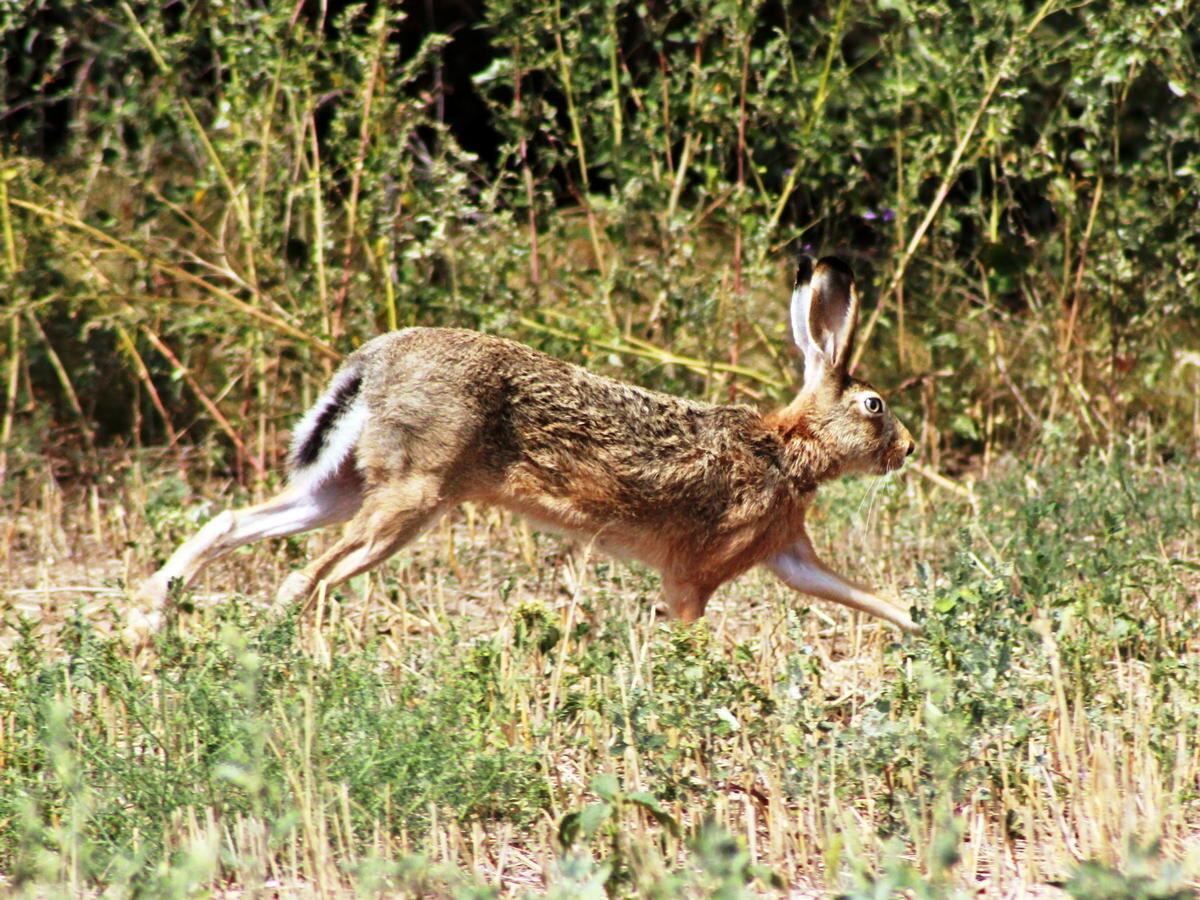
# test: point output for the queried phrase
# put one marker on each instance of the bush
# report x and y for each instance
(208, 204)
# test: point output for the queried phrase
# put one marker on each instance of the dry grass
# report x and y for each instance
(978, 808)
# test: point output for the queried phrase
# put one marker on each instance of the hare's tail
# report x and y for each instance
(326, 436)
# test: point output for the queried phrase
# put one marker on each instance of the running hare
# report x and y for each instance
(420, 420)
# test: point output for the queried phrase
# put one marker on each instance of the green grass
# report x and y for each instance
(488, 716)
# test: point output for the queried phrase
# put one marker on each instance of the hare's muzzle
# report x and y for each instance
(902, 447)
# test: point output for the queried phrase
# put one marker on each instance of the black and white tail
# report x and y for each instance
(326, 436)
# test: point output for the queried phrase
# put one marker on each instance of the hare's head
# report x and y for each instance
(847, 416)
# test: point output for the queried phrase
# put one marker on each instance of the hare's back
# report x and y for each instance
(531, 418)
(424, 374)
(472, 371)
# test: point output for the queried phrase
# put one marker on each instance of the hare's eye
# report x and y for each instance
(873, 405)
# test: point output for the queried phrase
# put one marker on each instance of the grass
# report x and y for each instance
(495, 714)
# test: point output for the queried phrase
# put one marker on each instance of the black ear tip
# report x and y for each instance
(836, 264)
(833, 274)
(804, 270)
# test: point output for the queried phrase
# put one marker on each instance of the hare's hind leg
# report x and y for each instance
(392, 514)
(301, 507)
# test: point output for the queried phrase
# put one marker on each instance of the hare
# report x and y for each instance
(419, 420)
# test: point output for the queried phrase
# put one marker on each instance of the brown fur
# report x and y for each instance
(700, 492)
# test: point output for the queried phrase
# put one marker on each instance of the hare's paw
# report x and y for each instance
(141, 626)
(296, 588)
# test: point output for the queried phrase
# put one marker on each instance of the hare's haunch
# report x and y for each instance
(420, 420)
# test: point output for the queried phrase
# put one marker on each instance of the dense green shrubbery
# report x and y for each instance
(204, 201)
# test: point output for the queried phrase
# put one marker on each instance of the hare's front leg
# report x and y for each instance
(799, 567)
(685, 599)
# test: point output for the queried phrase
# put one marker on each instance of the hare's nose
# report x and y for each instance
(912, 447)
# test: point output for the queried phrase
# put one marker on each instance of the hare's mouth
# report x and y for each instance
(891, 462)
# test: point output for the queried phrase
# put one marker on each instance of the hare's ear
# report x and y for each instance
(824, 317)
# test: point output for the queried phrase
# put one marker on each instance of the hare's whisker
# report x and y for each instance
(873, 498)
(864, 503)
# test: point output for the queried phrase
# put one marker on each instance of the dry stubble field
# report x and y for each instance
(497, 712)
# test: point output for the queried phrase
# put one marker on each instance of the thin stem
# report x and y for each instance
(10, 392)
(690, 139)
(360, 158)
(14, 333)
(127, 344)
(1076, 294)
(64, 379)
(816, 110)
(318, 214)
(221, 297)
(644, 349)
(236, 199)
(564, 71)
(614, 77)
(208, 403)
(535, 265)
